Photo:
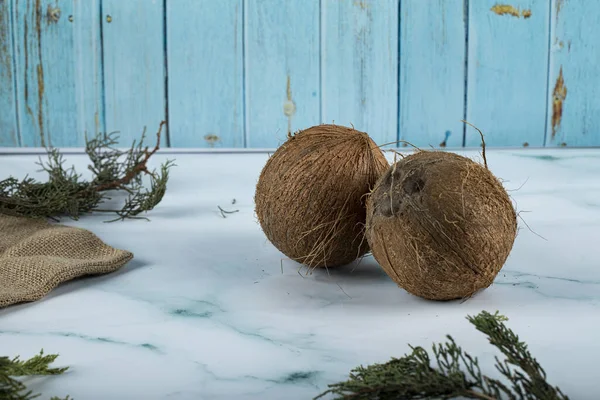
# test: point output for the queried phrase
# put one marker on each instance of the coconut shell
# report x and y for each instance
(440, 225)
(311, 194)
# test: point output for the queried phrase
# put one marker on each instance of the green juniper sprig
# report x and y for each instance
(457, 373)
(65, 193)
(14, 389)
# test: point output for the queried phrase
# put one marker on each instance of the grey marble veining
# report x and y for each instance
(209, 309)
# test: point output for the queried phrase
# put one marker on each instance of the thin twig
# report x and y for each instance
(133, 172)
(399, 141)
(482, 141)
(223, 212)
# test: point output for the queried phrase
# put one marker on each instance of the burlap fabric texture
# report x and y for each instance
(37, 256)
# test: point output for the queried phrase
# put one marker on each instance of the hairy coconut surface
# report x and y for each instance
(310, 197)
(440, 225)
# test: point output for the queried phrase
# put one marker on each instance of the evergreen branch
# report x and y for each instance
(65, 193)
(457, 373)
(532, 384)
(13, 389)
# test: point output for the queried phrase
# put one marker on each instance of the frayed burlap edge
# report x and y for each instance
(36, 257)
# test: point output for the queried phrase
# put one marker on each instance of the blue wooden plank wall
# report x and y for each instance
(432, 72)
(8, 107)
(507, 72)
(574, 92)
(56, 54)
(360, 66)
(134, 66)
(281, 69)
(205, 55)
(244, 73)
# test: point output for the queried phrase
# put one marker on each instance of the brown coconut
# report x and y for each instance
(310, 197)
(440, 225)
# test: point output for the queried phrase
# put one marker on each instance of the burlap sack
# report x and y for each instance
(36, 256)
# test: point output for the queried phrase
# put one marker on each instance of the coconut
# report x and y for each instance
(310, 197)
(441, 225)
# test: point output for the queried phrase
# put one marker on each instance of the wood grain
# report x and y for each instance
(9, 135)
(206, 69)
(282, 69)
(574, 93)
(58, 71)
(432, 72)
(244, 73)
(134, 68)
(507, 72)
(360, 65)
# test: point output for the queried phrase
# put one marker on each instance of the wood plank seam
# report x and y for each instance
(399, 81)
(166, 78)
(102, 64)
(13, 35)
(551, 30)
(245, 92)
(466, 71)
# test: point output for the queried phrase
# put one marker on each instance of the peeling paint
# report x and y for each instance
(506, 9)
(97, 122)
(5, 58)
(558, 98)
(211, 139)
(361, 3)
(559, 5)
(4, 37)
(289, 107)
(26, 57)
(53, 14)
(40, 70)
(41, 88)
(444, 143)
(7, 87)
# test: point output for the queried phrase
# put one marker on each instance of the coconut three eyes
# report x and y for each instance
(310, 196)
(440, 225)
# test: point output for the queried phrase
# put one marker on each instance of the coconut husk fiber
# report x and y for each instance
(440, 225)
(310, 196)
(37, 256)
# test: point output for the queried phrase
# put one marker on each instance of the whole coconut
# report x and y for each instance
(310, 197)
(440, 225)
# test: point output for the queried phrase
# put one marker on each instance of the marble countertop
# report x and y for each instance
(209, 309)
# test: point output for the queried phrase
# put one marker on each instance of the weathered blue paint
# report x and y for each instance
(282, 69)
(242, 73)
(88, 60)
(134, 68)
(432, 72)
(574, 93)
(57, 67)
(9, 135)
(205, 69)
(507, 72)
(360, 65)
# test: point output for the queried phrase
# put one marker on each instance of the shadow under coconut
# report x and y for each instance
(365, 269)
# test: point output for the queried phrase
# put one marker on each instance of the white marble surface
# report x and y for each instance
(206, 311)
